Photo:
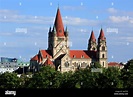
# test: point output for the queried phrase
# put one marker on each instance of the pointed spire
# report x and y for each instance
(66, 29)
(101, 36)
(54, 30)
(50, 29)
(59, 24)
(92, 37)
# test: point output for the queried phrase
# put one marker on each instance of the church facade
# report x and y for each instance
(59, 55)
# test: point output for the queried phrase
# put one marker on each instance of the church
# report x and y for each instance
(59, 55)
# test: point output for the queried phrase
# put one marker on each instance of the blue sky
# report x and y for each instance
(24, 25)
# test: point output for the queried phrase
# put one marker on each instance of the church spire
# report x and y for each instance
(92, 37)
(59, 24)
(92, 46)
(101, 36)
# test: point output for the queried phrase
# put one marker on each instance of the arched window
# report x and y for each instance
(103, 48)
(103, 64)
(102, 55)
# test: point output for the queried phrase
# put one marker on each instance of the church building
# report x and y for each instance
(62, 58)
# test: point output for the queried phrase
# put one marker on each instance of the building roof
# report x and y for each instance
(48, 62)
(35, 58)
(114, 64)
(58, 24)
(82, 54)
(101, 36)
(92, 37)
(46, 53)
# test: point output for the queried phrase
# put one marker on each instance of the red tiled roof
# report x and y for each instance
(82, 54)
(92, 37)
(46, 53)
(48, 62)
(59, 24)
(35, 58)
(114, 64)
(101, 36)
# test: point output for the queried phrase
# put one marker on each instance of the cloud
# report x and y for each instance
(112, 10)
(77, 21)
(127, 39)
(13, 16)
(119, 19)
(5, 34)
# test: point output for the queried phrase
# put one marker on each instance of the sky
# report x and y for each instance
(24, 25)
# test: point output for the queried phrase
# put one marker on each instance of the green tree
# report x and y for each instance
(90, 79)
(129, 73)
(24, 78)
(9, 80)
(67, 80)
(110, 78)
(47, 77)
(82, 78)
(95, 65)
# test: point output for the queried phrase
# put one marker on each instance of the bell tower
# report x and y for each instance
(102, 49)
(92, 45)
(58, 37)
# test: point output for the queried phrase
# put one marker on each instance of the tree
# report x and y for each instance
(47, 77)
(91, 79)
(95, 65)
(82, 78)
(67, 80)
(9, 80)
(24, 78)
(110, 78)
(129, 74)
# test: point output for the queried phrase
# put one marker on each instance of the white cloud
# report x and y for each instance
(13, 16)
(77, 21)
(127, 39)
(112, 10)
(119, 19)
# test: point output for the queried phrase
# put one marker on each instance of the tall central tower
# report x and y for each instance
(58, 37)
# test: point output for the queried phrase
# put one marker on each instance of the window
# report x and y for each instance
(82, 56)
(103, 64)
(103, 48)
(83, 64)
(102, 55)
(74, 56)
